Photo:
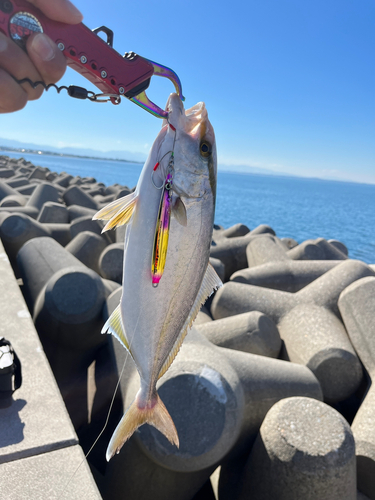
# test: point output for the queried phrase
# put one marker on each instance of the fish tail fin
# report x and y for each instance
(157, 416)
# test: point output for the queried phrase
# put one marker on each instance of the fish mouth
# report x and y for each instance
(193, 121)
(181, 118)
(196, 119)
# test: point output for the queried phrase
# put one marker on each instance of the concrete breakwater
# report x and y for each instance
(271, 392)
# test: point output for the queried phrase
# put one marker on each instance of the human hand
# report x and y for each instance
(43, 60)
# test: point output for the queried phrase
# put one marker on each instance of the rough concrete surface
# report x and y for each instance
(50, 476)
(37, 421)
(37, 424)
(304, 450)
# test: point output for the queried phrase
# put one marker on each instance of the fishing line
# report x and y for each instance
(65, 489)
(100, 434)
(162, 158)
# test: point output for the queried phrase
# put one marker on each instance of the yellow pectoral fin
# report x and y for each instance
(114, 326)
(118, 212)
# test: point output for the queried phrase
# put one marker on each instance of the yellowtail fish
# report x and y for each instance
(167, 275)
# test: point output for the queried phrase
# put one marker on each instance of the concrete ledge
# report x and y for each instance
(37, 423)
(52, 476)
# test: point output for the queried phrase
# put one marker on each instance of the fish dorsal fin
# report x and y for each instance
(114, 326)
(118, 212)
(210, 283)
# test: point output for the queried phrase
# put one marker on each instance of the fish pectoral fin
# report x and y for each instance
(134, 417)
(210, 283)
(114, 326)
(179, 211)
(118, 212)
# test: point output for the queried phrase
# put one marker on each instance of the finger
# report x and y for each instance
(59, 10)
(12, 96)
(46, 56)
(17, 63)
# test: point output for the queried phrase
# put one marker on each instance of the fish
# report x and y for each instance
(166, 275)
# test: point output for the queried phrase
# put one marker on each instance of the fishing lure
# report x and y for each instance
(159, 254)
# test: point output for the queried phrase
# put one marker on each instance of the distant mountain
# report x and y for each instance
(117, 155)
(122, 155)
(246, 169)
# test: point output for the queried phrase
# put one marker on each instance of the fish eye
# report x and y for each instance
(205, 149)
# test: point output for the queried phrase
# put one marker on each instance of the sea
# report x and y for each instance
(295, 207)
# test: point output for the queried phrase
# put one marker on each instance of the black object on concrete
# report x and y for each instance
(10, 372)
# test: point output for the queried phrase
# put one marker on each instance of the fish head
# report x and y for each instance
(192, 139)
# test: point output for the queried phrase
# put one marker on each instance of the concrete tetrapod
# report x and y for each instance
(217, 399)
(232, 251)
(304, 450)
(5, 173)
(203, 316)
(357, 307)
(265, 248)
(288, 275)
(340, 246)
(111, 262)
(236, 230)
(6, 190)
(13, 200)
(76, 212)
(42, 193)
(319, 249)
(248, 332)
(86, 223)
(268, 248)
(308, 324)
(17, 181)
(53, 213)
(16, 229)
(66, 299)
(76, 196)
(87, 247)
(289, 243)
(263, 229)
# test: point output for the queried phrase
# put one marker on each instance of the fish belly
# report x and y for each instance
(153, 317)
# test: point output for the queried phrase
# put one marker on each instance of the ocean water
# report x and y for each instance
(295, 207)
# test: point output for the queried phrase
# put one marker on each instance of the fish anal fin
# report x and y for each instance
(118, 212)
(156, 415)
(210, 283)
(179, 211)
(114, 326)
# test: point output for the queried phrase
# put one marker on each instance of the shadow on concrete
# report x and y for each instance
(11, 425)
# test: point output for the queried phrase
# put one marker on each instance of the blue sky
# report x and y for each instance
(288, 84)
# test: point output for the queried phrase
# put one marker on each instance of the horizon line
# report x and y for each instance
(268, 172)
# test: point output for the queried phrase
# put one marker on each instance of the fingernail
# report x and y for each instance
(43, 46)
(3, 43)
(73, 9)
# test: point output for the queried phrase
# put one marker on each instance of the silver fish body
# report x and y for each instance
(152, 321)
